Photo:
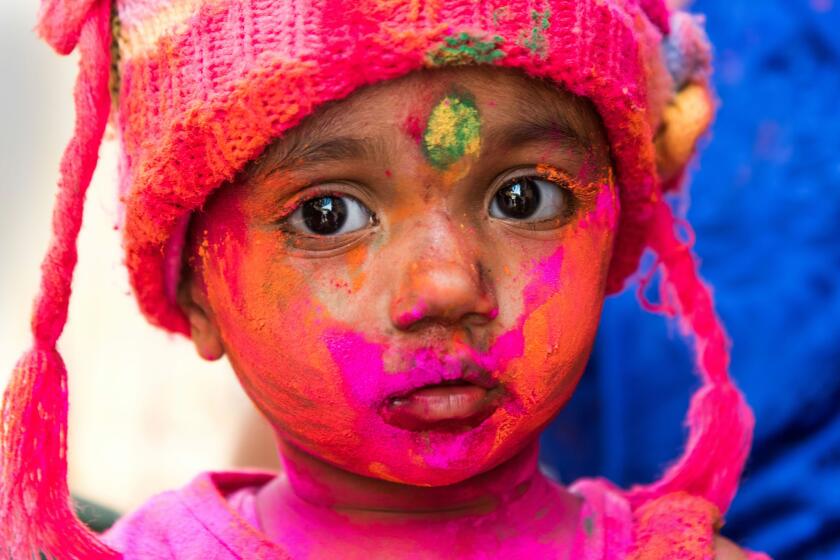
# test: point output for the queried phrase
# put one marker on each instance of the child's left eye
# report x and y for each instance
(530, 199)
(330, 215)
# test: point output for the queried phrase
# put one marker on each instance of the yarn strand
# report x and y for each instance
(720, 422)
(35, 507)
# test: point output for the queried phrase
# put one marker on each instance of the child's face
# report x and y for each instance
(408, 285)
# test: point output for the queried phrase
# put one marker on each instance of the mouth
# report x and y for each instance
(449, 406)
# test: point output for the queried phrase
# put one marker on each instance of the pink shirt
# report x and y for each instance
(214, 517)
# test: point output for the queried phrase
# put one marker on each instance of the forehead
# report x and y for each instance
(499, 92)
(508, 101)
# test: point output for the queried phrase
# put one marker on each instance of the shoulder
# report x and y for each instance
(146, 532)
(187, 523)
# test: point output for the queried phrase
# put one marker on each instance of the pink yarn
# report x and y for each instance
(60, 22)
(720, 422)
(35, 512)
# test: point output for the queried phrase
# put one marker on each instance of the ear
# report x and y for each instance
(203, 329)
(686, 118)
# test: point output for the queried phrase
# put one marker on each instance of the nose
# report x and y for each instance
(444, 284)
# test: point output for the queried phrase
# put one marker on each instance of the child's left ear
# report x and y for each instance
(684, 120)
(203, 331)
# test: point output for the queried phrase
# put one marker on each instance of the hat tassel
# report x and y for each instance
(720, 422)
(35, 507)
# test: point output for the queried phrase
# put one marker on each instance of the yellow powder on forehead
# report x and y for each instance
(452, 131)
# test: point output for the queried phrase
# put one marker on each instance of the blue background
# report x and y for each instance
(765, 204)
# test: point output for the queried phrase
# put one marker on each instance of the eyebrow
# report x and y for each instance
(532, 127)
(304, 151)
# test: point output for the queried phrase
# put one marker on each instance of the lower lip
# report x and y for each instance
(442, 408)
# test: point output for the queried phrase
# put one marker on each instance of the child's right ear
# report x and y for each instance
(203, 330)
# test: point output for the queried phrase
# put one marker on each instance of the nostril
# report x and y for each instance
(492, 312)
(403, 319)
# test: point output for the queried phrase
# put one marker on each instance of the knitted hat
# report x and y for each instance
(198, 88)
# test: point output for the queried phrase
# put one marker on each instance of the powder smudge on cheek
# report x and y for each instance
(562, 306)
(603, 210)
(539, 327)
(272, 326)
(452, 131)
(354, 259)
(220, 251)
(550, 342)
(360, 362)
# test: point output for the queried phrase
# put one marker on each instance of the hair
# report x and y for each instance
(197, 155)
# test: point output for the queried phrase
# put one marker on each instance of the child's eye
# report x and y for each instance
(530, 199)
(330, 215)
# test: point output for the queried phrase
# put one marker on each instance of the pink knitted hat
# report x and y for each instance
(198, 88)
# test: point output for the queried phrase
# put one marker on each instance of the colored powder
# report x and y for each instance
(464, 48)
(452, 131)
(536, 41)
(414, 128)
(501, 15)
(676, 526)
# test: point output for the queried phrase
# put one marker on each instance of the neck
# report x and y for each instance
(317, 509)
(321, 484)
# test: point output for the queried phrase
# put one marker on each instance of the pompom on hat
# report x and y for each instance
(198, 88)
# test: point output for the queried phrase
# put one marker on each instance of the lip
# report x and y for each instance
(455, 405)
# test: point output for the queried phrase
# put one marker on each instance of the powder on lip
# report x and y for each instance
(452, 131)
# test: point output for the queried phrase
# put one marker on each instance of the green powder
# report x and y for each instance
(452, 131)
(536, 41)
(464, 48)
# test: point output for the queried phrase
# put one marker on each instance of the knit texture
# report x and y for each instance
(35, 508)
(202, 87)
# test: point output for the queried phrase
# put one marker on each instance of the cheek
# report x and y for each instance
(603, 216)
(562, 299)
(275, 332)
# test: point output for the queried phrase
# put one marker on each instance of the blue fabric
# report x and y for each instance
(765, 204)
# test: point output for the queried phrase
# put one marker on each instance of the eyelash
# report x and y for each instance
(583, 194)
(306, 194)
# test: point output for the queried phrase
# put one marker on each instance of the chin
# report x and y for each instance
(441, 457)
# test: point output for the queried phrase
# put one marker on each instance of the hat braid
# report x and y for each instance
(35, 508)
(720, 422)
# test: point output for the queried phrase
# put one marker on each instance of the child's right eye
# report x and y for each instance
(330, 215)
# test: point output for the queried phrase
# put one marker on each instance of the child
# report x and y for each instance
(398, 220)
